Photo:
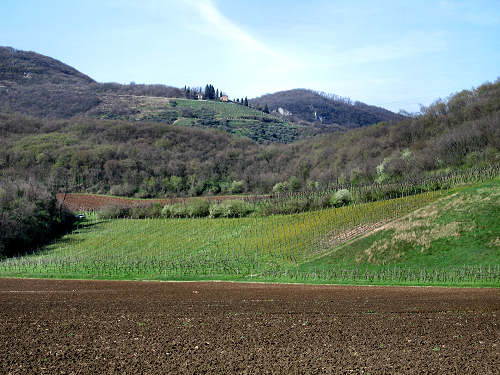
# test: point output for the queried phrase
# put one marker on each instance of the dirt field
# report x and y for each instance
(101, 327)
(90, 202)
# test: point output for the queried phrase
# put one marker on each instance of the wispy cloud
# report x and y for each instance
(220, 27)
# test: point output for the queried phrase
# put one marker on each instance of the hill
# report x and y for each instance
(230, 117)
(427, 246)
(462, 228)
(29, 68)
(156, 160)
(323, 109)
(38, 85)
(41, 86)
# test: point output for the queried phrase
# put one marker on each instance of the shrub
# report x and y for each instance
(167, 211)
(146, 211)
(174, 210)
(280, 187)
(294, 184)
(191, 208)
(294, 205)
(155, 210)
(139, 212)
(113, 212)
(340, 198)
(125, 190)
(237, 187)
(318, 201)
(230, 208)
(217, 210)
(197, 208)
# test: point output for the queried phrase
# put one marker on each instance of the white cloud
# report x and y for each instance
(220, 27)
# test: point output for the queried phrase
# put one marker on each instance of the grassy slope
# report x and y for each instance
(233, 118)
(222, 110)
(460, 229)
(213, 247)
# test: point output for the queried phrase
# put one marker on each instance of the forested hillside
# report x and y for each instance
(152, 159)
(28, 68)
(320, 108)
(41, 86)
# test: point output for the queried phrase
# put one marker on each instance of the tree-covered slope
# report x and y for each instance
(143, 158)
(28, 68)
(328, 110)
(40, 86)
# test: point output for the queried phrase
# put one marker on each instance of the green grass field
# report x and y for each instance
(222, 110)
(452, 239)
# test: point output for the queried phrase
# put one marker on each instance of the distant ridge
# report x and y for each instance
(38, 85)
(315, 107)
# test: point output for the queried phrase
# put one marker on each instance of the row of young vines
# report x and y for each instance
(249, 248)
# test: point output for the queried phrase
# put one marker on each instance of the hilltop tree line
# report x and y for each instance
(209, 93)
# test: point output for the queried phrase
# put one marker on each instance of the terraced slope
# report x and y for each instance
(230, 117)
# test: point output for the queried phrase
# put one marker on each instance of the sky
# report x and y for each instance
(395, 54)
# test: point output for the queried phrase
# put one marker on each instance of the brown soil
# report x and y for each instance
(108, 327)
(90, 202)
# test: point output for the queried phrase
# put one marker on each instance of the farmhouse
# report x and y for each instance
(224, 98)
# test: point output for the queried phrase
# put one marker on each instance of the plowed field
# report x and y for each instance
(106, 327)
(91, 202)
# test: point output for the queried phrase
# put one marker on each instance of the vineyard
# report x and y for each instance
(222, 110)
(286, 202)
(276, 247)
(173, 248)
(404, 233)
(236, 119)
(231, 117)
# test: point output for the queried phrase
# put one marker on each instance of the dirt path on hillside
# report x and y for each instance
(107, 327)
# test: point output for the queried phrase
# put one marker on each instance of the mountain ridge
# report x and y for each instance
(315, 107)
(40, 86)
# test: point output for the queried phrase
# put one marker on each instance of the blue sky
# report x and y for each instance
(396, 54)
